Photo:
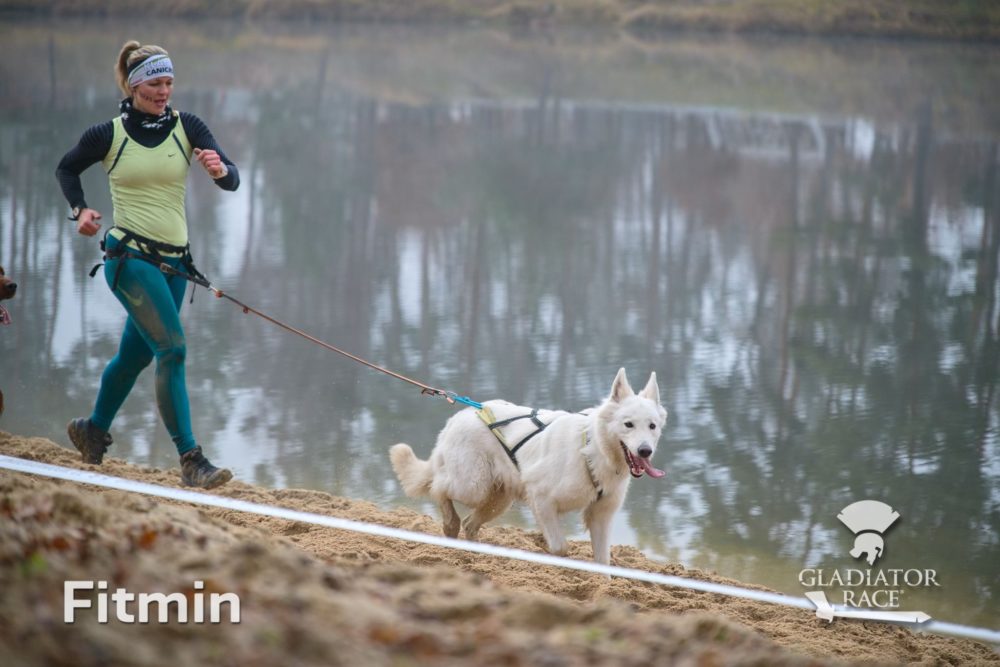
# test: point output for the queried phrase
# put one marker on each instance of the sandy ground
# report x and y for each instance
(312, 595)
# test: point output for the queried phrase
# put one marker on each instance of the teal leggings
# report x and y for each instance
(152, 330)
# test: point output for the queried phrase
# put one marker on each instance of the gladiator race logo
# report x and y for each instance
(867, 593)
(868, 520)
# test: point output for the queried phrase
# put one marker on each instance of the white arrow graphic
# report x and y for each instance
(826, 611)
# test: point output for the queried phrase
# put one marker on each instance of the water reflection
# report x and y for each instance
(816, 287)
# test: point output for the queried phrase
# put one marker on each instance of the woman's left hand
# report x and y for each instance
(211, 161)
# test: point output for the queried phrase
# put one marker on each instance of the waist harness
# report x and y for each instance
(150, 250)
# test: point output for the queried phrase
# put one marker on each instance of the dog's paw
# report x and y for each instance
(561, 549)
(470, 529)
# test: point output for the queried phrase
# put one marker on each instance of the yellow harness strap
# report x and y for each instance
(489, 419)
(585, 440)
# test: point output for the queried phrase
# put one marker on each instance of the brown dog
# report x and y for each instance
(7, 290)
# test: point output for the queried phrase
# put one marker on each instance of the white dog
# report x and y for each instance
(582, 461)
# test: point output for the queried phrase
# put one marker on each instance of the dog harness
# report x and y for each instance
(494, 426)
(486, 414)
(590, 469)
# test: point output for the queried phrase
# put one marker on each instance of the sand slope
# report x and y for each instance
(313, 595)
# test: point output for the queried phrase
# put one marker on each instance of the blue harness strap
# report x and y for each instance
(455, 398)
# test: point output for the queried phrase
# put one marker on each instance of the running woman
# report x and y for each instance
(146, 152)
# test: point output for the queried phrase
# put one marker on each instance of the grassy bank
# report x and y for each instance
(957, 19)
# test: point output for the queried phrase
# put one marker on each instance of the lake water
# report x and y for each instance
(801, 237)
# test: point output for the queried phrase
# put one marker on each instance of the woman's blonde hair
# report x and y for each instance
(133, 52)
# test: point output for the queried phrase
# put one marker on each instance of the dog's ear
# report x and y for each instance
(620, 388)
(652, 389)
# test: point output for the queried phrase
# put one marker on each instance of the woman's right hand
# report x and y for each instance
(87, 223)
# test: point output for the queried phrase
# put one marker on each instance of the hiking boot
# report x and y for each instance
(90, 440)
(196, 470)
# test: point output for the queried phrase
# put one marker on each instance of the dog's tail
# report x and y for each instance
(414, 475)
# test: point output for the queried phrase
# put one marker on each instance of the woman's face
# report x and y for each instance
(152, 96)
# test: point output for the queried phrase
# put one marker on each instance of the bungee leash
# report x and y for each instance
(201, 281)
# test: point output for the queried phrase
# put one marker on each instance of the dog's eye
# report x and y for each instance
(652, 427)
(629, 424)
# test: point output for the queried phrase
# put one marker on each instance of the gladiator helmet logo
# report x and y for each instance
(868, 520)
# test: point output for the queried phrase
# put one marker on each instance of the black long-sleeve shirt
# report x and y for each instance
(96, 142)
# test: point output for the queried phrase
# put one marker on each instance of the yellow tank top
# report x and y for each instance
(148, 185)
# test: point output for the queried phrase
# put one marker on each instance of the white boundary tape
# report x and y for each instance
(108, 481)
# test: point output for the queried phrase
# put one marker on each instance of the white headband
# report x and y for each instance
(152, 67)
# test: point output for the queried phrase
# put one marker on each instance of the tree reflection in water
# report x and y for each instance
(816, 290)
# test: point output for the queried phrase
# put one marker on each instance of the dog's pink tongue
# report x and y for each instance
(4, 316)
(649, 469)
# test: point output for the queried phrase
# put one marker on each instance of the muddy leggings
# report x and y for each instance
(152, 330)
